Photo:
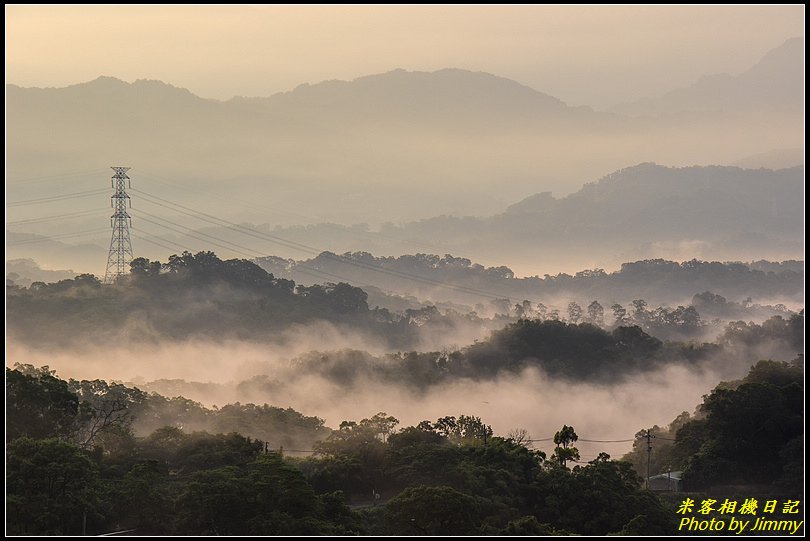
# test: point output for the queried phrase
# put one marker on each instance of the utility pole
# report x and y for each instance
(120, 254)
(649, 437)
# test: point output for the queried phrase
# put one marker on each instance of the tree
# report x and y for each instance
(103, 407)
(619, 315)
(141, 267)
(529, 525)
(431, 510)
(265, 497)
(446, 426)
(524, 310)
(50, 486)
(563, 440)
(501, 306)
(38, 404)
(473, 428)
(519, 435)
(143, 498)
(464, 429)
(541, 310)
(596, 314)
(640, 315)
(382, 423)
(574, 313)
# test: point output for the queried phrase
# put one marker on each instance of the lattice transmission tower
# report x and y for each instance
(120, 246)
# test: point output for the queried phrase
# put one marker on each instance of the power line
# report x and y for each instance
(323, 222)
(45, 238)
(51, 199)
(202, 216)
(51, 178)
(167, 182)
(158, 243)
(306, 270)
(303, 247)
(204, 237)
(67, 216)
(606, 441)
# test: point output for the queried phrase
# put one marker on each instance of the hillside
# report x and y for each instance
(775, 83)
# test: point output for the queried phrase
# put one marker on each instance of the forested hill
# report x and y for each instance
(190, 295)
(449, 278)
(201, 297)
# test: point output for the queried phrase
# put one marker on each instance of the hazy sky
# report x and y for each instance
(222, 51)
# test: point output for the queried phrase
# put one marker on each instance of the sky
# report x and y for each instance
(225, 51)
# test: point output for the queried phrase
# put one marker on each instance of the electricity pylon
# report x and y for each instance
(120, 246)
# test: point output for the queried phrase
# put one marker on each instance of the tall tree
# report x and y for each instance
(564, 450)
(619, 315)
(596, 314)
(574, 313)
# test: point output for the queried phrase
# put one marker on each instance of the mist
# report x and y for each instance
(216, 374)
(286, 372)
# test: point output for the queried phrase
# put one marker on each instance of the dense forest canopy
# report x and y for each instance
(449, 278)
(200, 295)
(449, 476)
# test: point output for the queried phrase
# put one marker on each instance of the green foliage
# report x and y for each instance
(185, 453)
(415, 435)
(50, 486)
(577, 351)
(529, 525)
(104, 408)
(465, 429)
(38, 404)
(564, 451)
(432, 510)
(144, 498)
(452, 477)
(189, 295)
(264, 497)
(747, 428)
(747, 432)
(776, 329)
(363, 444)
(666, 456)
(599, 498)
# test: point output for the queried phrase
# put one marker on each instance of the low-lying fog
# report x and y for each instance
(217, 373)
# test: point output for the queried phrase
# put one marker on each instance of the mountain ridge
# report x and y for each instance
(772, 83)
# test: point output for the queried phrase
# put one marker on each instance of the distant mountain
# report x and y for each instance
(650, 211)
(779, 158)
(83, 254)
(774, 84)
(22, 272)
(640, 212)
(448, 94)
(396, 146)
